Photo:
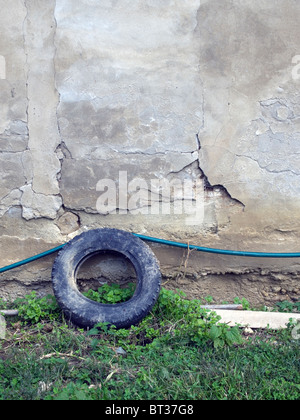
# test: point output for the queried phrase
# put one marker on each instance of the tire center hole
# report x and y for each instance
(107, 277)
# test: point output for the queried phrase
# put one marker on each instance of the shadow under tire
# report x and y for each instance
(86, 313)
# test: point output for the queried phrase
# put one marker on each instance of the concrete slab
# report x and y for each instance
(253, 319)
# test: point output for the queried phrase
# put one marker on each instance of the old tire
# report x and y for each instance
(87, 313)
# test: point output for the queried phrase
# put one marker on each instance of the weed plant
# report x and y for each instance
(178, 352)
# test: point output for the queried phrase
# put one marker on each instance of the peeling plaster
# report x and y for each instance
(128, 112)
(39, 32)
(36, 205)
(199, 89)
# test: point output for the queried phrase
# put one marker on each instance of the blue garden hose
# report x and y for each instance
(220, 251)
(31, 259)
(169, 243)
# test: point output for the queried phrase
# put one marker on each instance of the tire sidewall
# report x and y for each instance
(87, 313)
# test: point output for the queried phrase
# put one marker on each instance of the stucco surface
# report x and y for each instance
(200, 91)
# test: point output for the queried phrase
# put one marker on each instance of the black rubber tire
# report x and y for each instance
(86, 313)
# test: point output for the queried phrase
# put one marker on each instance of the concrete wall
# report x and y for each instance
(145, 92)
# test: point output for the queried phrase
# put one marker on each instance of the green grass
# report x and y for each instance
(175, 353)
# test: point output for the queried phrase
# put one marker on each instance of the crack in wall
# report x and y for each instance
(265, 168)
(26, 61)
(40, 194)
(40, 181)
(218, 187)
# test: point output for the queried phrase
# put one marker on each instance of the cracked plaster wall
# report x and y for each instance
(198, 89)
